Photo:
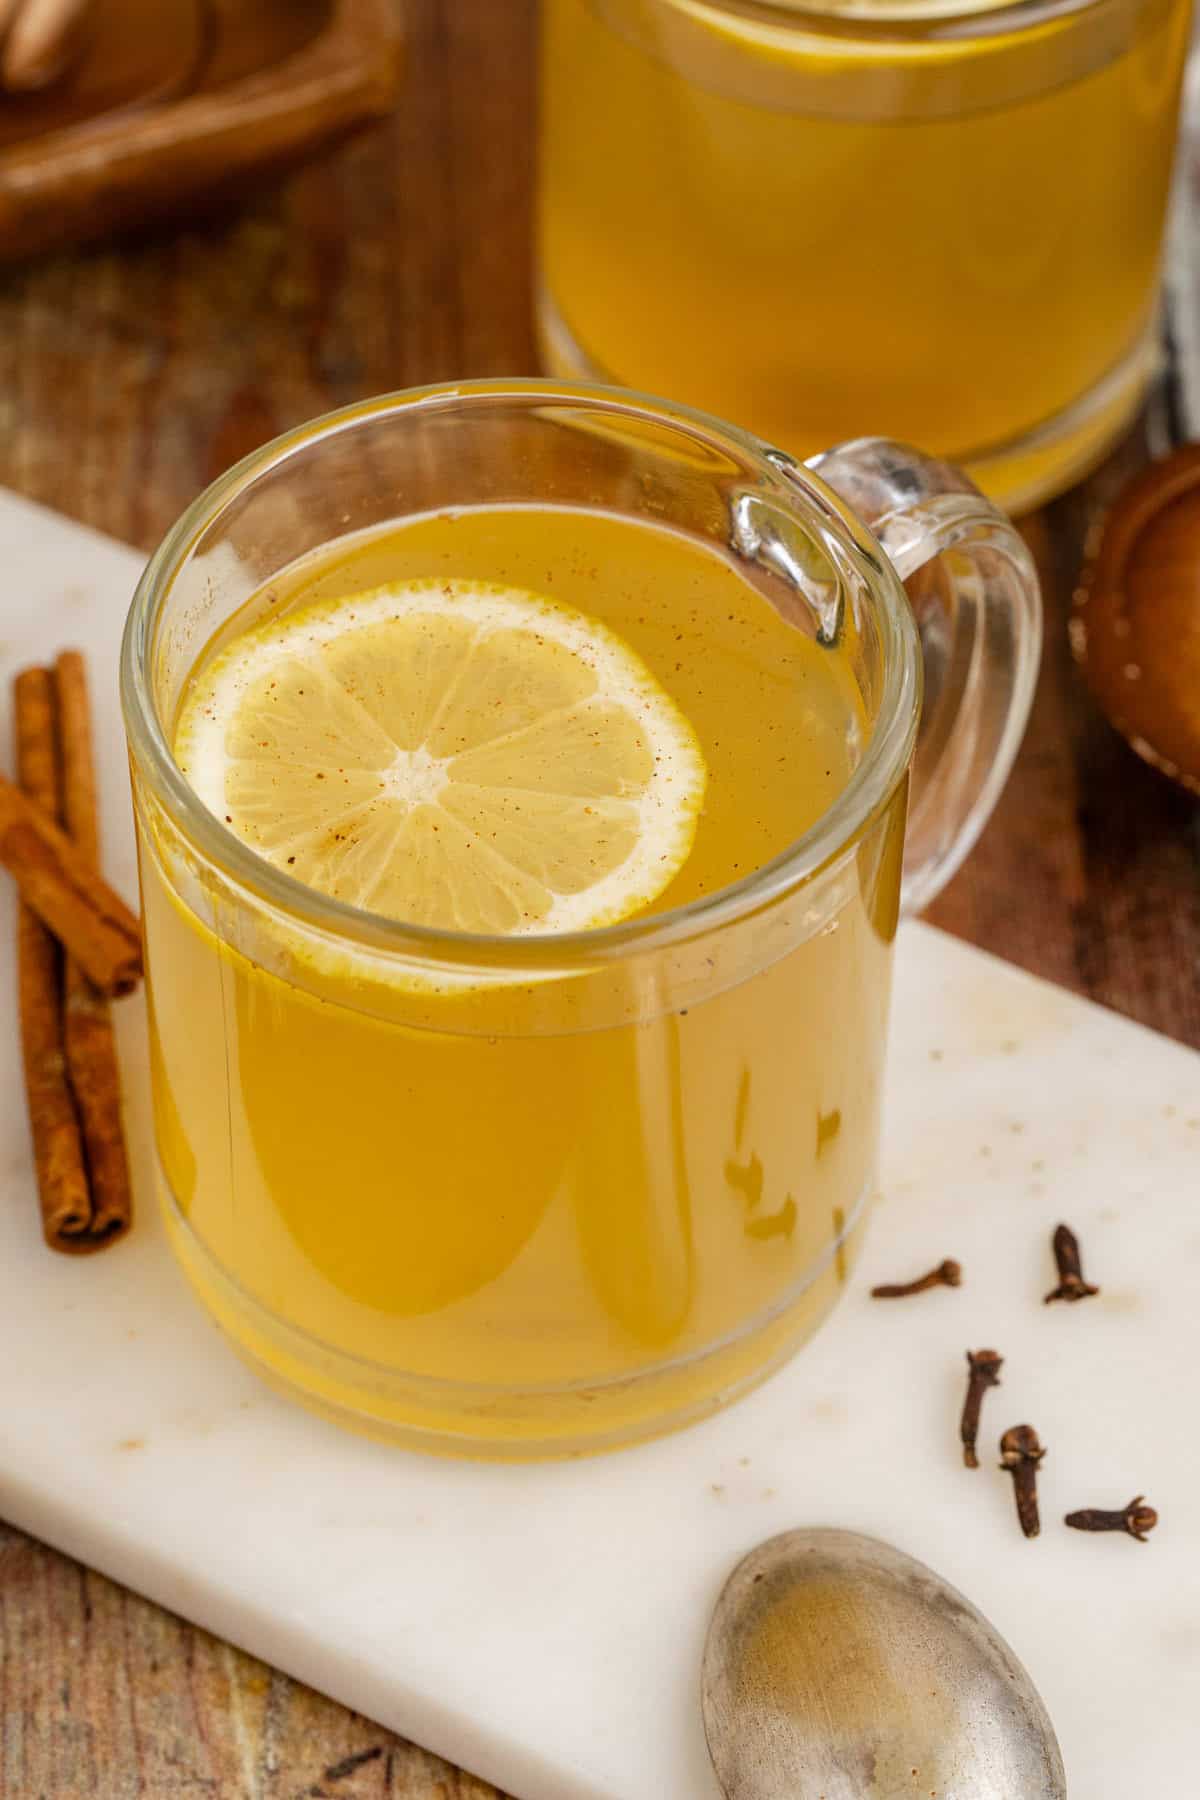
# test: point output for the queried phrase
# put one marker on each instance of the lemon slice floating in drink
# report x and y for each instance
(450, 753)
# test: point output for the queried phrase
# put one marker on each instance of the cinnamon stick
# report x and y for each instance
(85, 915)
(57, 1140)
(90, 1044)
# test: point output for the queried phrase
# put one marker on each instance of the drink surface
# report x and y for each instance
(560, 1211)
(821, 227)
(767, 724)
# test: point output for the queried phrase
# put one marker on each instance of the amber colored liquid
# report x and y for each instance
(829, 232)
(530, 1216)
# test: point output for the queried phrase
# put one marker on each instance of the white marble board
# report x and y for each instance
(543, 1625)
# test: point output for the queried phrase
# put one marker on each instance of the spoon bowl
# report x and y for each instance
(837, 1668)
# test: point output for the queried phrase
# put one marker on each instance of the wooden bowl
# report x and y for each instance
(1135, 628)
(175, 100)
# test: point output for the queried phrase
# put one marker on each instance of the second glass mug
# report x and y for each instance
(941, 220)
(533, 1195)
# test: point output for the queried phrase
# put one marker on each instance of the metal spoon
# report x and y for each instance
(837, 1668)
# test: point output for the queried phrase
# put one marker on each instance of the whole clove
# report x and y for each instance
(984, 1372)
(947, 1274)
(1071, 1285)
(1136, 1519)
(1021, 1454)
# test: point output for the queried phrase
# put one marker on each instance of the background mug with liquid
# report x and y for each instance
(939, 221)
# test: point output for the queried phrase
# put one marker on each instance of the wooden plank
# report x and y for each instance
(105, 1697)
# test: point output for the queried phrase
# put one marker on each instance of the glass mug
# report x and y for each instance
(540, 1194)
(942, 221)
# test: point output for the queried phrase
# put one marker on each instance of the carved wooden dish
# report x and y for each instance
(1135, 629)
(171, 100)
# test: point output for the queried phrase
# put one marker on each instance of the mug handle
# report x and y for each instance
(975, 597)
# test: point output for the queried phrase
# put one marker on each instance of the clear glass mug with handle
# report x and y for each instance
(529, 1195)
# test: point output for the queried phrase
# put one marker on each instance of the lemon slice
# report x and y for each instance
(452, 753)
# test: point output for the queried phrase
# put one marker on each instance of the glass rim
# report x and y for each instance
(802, 861)
(909, 18)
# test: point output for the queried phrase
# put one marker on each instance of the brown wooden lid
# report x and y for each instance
(1136, 625)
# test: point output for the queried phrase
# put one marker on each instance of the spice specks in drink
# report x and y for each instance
(947, 1274)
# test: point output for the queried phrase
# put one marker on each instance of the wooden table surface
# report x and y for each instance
(127, 380)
